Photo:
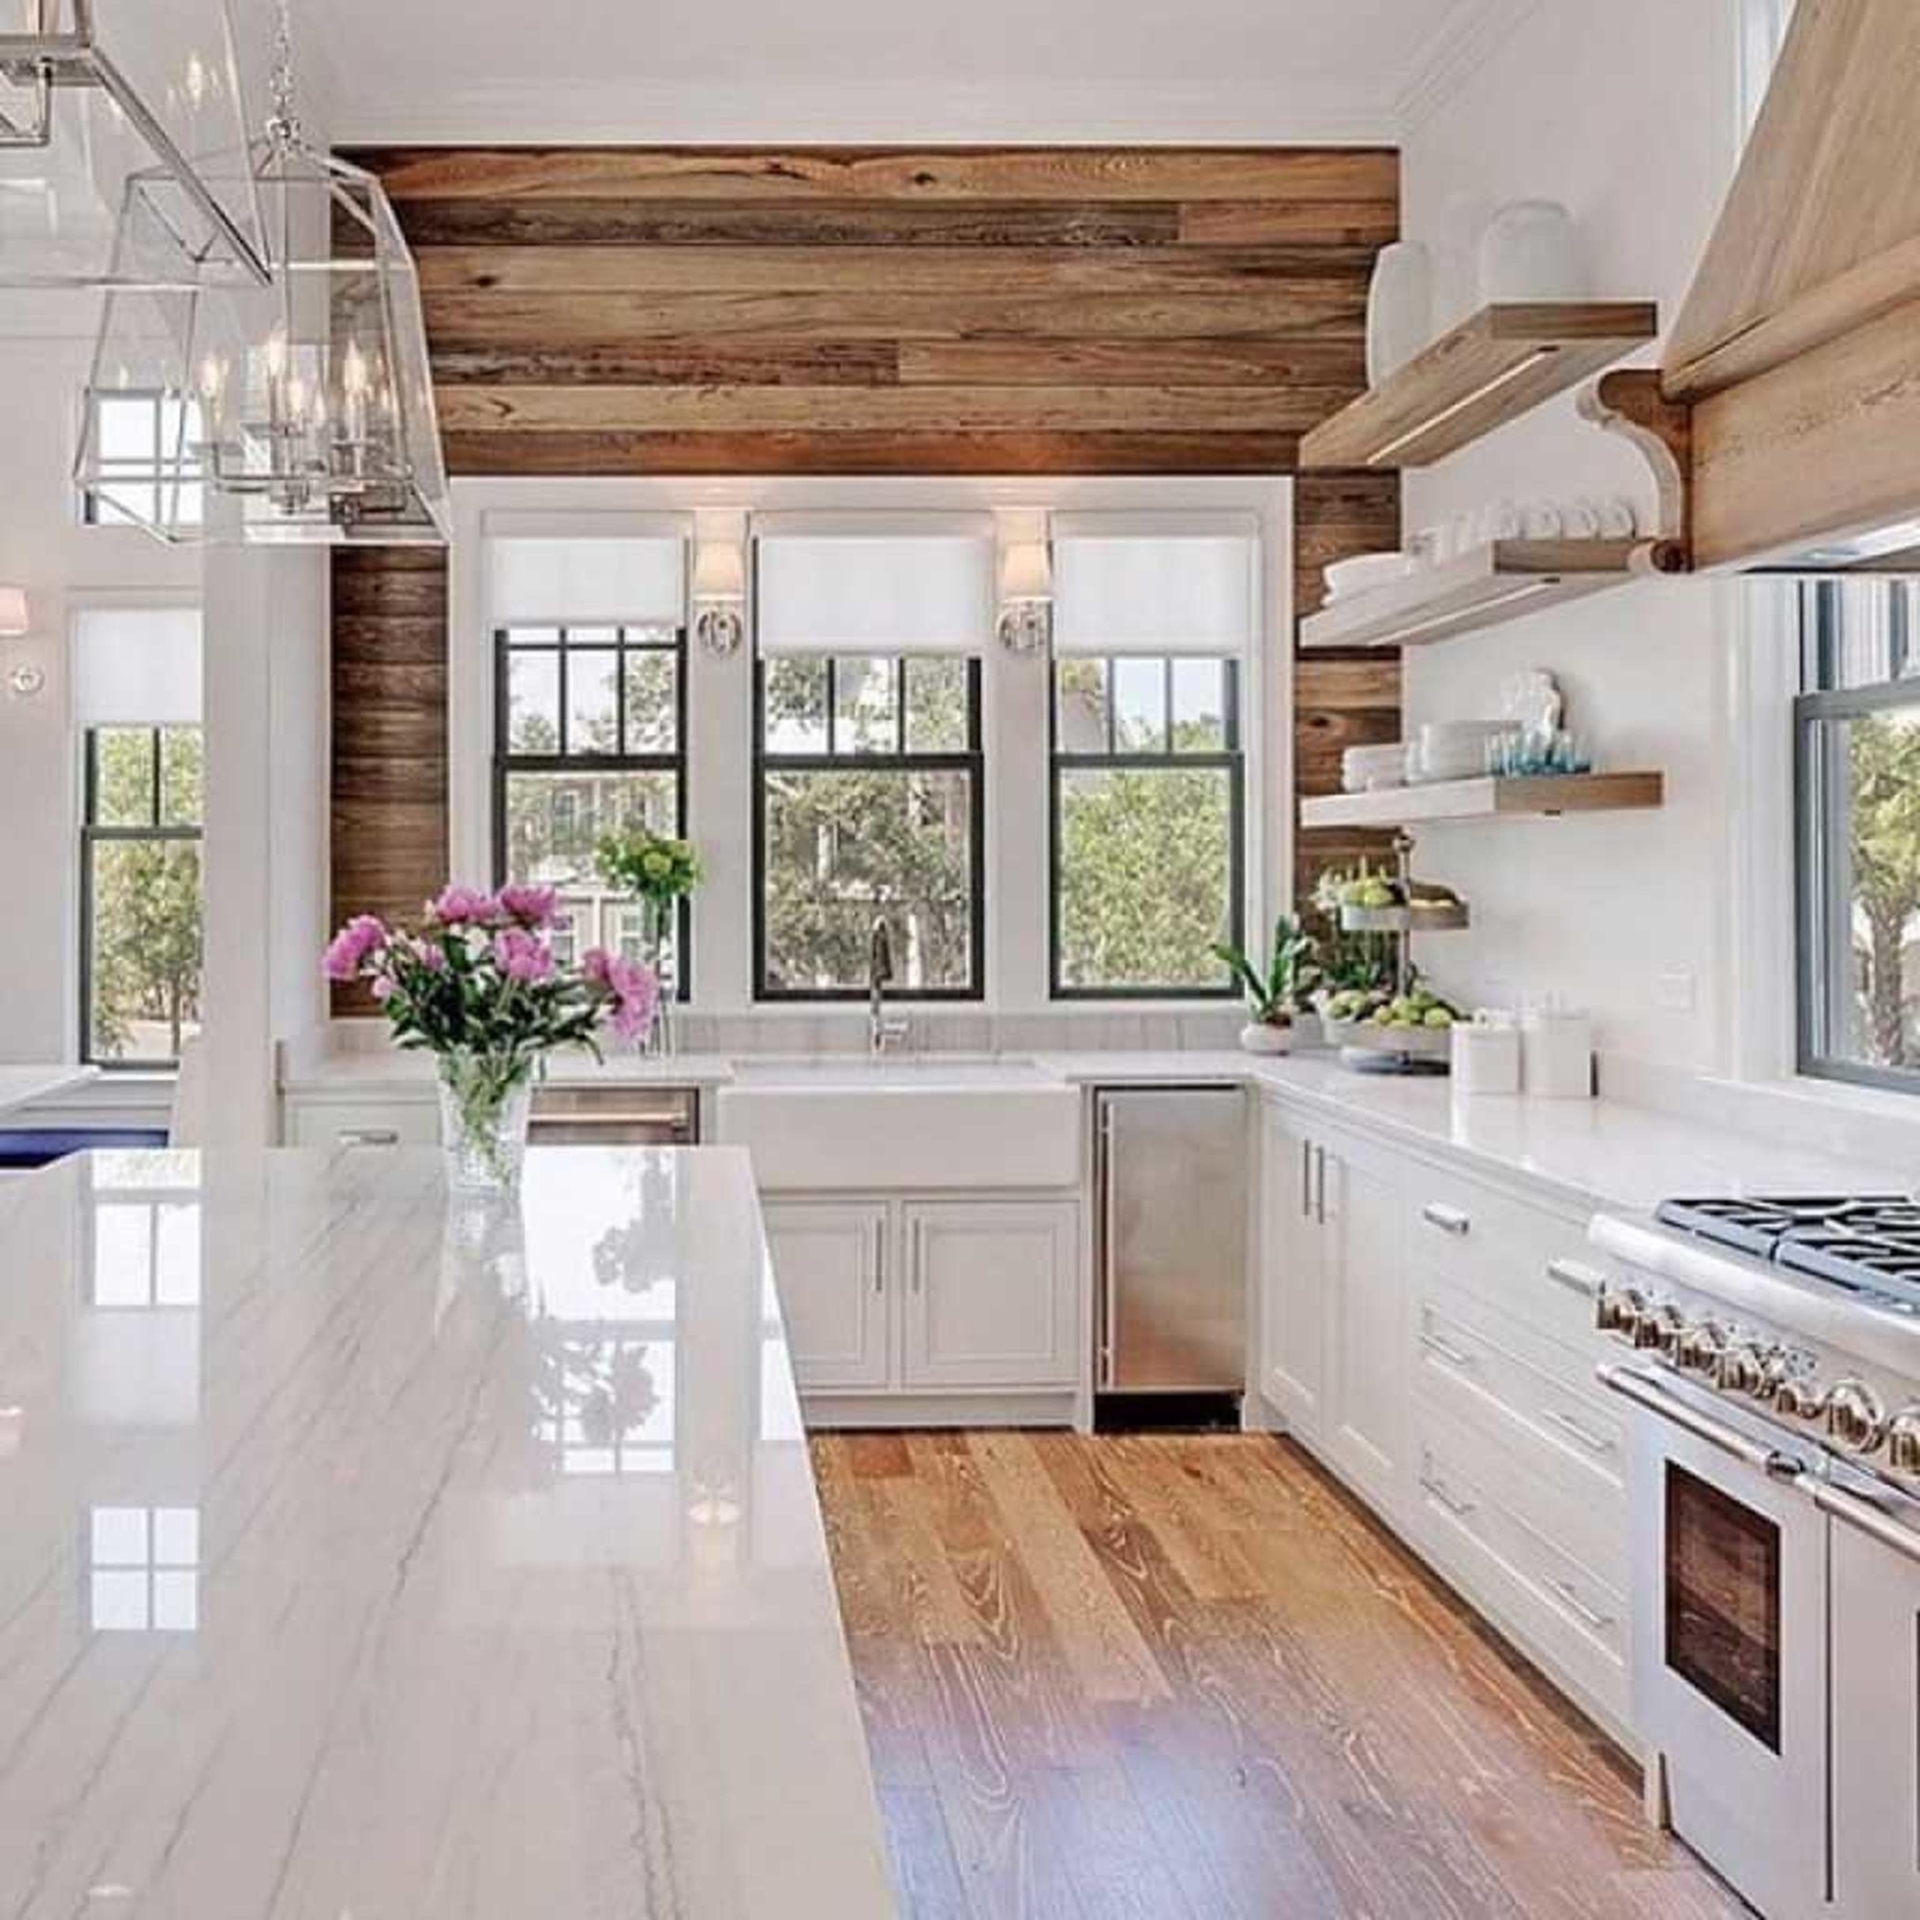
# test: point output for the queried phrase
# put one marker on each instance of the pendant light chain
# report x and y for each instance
(284, 124)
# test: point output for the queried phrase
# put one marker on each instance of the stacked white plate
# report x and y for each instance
(1455, 749)
(1369, 769)
(1363, 571)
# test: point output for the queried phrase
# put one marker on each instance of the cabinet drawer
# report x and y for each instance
(372, 1123)
(1535, 1264)
(1478, 1519)
(1471, 1363)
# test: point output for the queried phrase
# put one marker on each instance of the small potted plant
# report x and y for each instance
(477, 986)
(659, 872)
(1278, 993)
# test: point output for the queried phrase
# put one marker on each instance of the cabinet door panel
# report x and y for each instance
(992, 1299)
(1363, 1422)
(829, 1268)
(1292, 1329)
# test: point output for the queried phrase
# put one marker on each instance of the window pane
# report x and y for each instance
(593, 715)
(936, 705)
(1080, 689)
(845, 847)
(653, 676)
(533, 702)
(1199, 706)
(1864, 784)
(129, 428)
(1860, 633)
(554, 821)
(796, 705)
(1146, 876)
(866, 716)
(182, 777)
(123, 777)
(1140, 706)
(145, 956)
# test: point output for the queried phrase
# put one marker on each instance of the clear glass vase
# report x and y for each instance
(485, 1103)
(656, 922)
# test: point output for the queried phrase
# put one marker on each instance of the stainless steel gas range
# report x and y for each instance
(1771, 1356)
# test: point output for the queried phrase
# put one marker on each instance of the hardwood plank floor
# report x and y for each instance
(1152, 1677)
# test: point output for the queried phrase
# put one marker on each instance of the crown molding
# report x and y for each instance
(1454, 52)
(850, 113)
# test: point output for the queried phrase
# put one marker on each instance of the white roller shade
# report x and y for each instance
(1159, 585)
(602, 577)
(136, 667)
(862, 586)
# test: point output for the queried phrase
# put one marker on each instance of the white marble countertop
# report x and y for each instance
(25, 1086)
(366, 1553)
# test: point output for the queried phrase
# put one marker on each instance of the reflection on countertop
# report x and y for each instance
(374, 1551)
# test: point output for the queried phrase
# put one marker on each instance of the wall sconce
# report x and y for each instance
(1026, 596)
(25, 678)
(719, 595)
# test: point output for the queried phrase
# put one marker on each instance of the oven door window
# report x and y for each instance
(1723, 1602)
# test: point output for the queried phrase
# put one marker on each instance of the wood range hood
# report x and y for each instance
(1798, 349)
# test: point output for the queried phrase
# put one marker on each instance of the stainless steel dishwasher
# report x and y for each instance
(615, 1116)
(1170, 1239)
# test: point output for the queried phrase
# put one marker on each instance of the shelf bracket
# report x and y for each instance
(1628, 402)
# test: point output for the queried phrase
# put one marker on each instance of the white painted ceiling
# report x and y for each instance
(876, 69)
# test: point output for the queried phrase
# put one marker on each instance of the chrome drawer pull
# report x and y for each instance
(1452, 1502)
(1570, 1594)
(1576, 1278)
(1594, 1442)
(369, 1137)
(1646, 1391)
(1862, 1514)
(1447, 1219)
(1451, 1354)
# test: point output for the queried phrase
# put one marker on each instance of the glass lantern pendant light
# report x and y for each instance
(300, 413)
(113, 114)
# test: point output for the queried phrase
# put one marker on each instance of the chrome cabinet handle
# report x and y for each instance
(879, 1238)
(1451, 1354)
(1448, 1219)
(1867, 1518)
(1438, 1491)
(1320, 1200)
(1576, 1278)
(918, 1264)
(1646, 1391)
(369, 1137)
(1570, 1595)
(1593, 1442)
(1306, 1179)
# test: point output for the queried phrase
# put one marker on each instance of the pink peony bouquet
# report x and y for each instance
(478, 977)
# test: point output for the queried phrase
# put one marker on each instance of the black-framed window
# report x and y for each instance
(141, 912)
(132, 436)
(590, 727)
(1857, 787)
(868, 803)
(1148, 825)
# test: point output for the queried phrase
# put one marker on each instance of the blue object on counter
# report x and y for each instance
(32, 1147)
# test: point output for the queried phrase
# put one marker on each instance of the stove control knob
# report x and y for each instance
(1661, 1326)
(1903, 1442)
(1701, 1348)
(1856, 1418)
(1741, 1369)
(1799, 1397)
(1618, 1309)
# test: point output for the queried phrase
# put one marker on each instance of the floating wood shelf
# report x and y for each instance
(1489, 798)
(1490, 369)
(1483, 588)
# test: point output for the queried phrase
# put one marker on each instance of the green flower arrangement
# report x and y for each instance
(651, 866)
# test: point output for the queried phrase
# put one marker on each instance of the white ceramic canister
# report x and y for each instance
(1530, 251)
(1399, 308)
(1486, 1054)
(1557, 1054)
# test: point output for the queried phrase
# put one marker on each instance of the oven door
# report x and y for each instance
(1875, 1548)
(1729, 1640)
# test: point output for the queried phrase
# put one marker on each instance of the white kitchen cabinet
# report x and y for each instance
(1292, 1272)
(1364, 1399)
(830, 1265)
(362, 1123)
(991, 1300)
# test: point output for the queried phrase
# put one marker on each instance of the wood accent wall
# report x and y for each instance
(861, 311)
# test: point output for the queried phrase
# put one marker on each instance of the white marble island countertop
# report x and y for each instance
(26, 1085)
(370, 1554)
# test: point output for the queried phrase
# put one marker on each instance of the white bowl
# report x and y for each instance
(1366, 570)
(1456, 749)
(1367, 769)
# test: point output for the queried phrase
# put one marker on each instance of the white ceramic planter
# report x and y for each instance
(1399, 308)
(1256, 1037)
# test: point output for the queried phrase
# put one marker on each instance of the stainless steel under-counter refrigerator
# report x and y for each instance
(1170, 1240)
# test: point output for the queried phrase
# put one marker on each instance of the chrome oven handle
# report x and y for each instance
(1576, 1277)
(1878, 1526)
(1645, 1390)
